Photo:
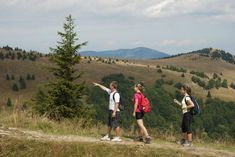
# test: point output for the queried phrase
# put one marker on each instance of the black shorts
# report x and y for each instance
(186, 122)
(139, 115)
(113, 122)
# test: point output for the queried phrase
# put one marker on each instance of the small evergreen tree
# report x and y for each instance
(28, 77)
(32, 77)
(7, 77)
(12, 77)
(224, 83)
(63, 97)
(15, 87)
(208, 94)
(9, 103)
(22, 83)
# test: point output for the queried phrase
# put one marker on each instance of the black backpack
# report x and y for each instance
(121, 105)
(196, 109)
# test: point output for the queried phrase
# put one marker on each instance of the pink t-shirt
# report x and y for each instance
(139, 98)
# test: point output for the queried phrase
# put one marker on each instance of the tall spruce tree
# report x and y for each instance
(63, 98)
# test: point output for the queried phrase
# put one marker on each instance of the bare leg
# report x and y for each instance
(141, 133)
(109, 131)
(189, 137)
(118, 130)
(142, 127)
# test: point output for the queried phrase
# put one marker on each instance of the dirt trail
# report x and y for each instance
(37, 135)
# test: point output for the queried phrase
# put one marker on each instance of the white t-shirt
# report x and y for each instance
(184, 105)
(111, 100)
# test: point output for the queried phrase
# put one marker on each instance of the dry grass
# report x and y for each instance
(28, 120)
(28, 148)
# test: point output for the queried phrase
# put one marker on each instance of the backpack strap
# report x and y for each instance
(114, 96)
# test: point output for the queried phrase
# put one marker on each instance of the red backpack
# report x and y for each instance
(145, 103)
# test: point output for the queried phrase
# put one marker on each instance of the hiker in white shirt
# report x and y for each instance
(114, 112)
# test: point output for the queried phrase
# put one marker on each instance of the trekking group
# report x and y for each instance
(141, 105)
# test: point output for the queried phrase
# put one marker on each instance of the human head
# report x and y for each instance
(186, 89)
(139, 87)
(113, 85)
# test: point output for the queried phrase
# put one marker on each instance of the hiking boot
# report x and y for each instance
(116, 139)
(105, 138)
(140, 139)
(147, 140)
(180, 142)
(187, 143)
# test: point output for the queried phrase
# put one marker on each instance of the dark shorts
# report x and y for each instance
(113, 122)
(139, 115)
(186, 122)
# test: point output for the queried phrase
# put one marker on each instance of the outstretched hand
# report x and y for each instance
(95, 84)
(176, 101)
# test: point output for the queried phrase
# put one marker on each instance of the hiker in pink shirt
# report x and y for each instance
(138, 113)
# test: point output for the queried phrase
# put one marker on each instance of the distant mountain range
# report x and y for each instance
(135, 53)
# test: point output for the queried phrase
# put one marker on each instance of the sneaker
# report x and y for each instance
(147, 140)
(105, 138)
(180, 142)
(116, 139)
(187, 144)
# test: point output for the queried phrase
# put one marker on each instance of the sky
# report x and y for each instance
(171, 26)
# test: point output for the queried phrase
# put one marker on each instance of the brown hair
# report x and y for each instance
(140, 86)
(114, 84)
(187, 89)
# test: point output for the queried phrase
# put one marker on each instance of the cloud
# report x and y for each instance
(130, 8)
(156, 10)
(209, 9)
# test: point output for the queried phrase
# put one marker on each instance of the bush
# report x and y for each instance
(12, 77)
(232, 85)
(173, 68)
(7, 77)
(159, 70)
(15, 87)
(22, 83)
(209, 94)
(224, 84)
(9, 103)
(211, 84)
(199, 74)
(197, 80)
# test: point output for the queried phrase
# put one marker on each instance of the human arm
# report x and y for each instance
(177, 102)
(115, 110)
(101, 86)
(189, 103)
(135, 106)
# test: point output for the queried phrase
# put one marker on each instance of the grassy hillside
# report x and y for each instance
(96, 68)
(62, 138)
